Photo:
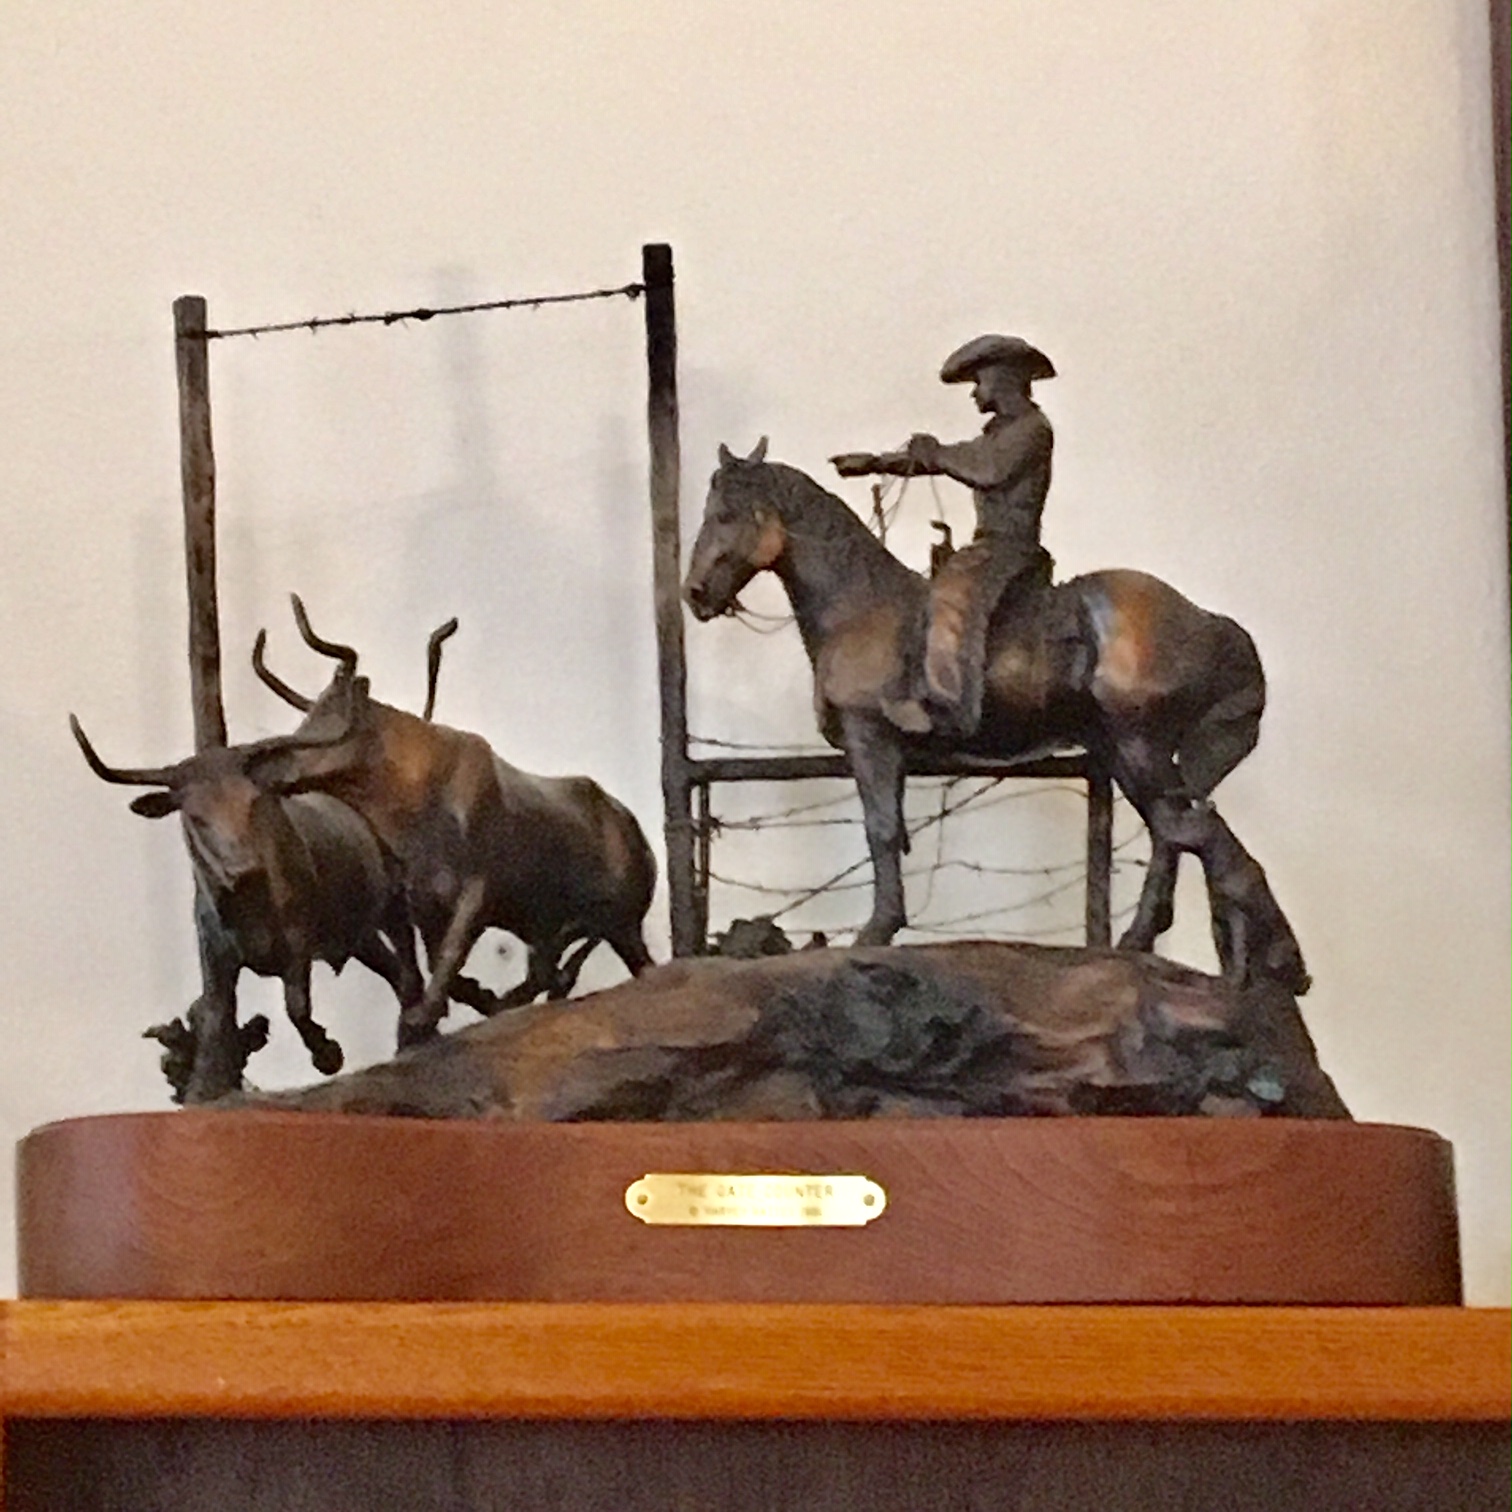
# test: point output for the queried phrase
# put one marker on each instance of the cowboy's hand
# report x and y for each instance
(854, 464)
(924, 450)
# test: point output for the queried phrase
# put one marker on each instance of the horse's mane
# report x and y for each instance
(809, 510)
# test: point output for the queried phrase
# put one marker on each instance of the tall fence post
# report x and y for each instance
(1099, 853)
(1501, 103)
(666, 563)
(197, 467)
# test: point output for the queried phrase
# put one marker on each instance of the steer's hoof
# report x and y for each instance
(328, 1058)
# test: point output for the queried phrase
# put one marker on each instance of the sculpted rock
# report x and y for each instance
(969, 1029)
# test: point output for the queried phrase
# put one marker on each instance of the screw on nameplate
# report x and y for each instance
(761, 1200)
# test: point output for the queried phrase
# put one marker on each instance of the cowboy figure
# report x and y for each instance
(1007, 469)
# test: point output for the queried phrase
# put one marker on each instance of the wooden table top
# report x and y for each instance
(752, 1361)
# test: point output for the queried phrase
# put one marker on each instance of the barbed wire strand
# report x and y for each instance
(772, 748)
(1079, 867)
(939, 860)
(427, 312)
(777, 819)
(917, 829)
(948, 930)
(1048, 931)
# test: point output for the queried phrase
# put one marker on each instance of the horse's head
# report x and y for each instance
(742, 533)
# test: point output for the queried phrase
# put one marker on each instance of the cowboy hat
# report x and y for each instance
(967, 361)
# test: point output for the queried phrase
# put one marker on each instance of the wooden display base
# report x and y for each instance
(300, 1206)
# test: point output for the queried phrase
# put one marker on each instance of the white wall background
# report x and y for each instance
(1256, 238)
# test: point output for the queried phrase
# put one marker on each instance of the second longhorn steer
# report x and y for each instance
(280, 880)
(555, 861)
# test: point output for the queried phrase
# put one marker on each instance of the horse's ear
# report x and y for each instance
(726, 456)
(759, 455)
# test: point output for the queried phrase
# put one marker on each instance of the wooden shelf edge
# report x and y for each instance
(699, 1361)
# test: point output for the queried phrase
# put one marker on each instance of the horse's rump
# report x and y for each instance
(1120, 640)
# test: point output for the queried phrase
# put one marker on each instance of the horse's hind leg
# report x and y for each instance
(1147, 775)
(1254, 940)
(1220, 740)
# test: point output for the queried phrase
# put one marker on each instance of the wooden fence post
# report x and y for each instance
(1099, 854)
(666, 558)
(197, 465)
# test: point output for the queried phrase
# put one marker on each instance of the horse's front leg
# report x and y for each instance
(876, 762)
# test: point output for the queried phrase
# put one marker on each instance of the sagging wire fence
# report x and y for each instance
(423, 313)
(888, 498)
(954, 799)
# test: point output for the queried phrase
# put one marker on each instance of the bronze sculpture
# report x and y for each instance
(1167, 695)
(281, 879)
(1008, 470)
(555, 861)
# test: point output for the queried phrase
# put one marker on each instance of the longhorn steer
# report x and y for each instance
(555, 861)
(280, 880)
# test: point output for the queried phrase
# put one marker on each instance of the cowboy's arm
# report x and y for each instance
(986, 461)
(858, 464)
(921, 456)
(995, 457)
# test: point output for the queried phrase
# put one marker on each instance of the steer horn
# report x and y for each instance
(344, 654)
(439, 636)
(273, 680)
(130, 776)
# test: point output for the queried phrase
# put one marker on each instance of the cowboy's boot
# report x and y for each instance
(903, 699)
(908, 715)
(946, 649)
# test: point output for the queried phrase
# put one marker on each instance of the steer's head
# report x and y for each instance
(226, 796)
(742, 533)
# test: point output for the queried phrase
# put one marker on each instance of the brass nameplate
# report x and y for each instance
(755, 1201)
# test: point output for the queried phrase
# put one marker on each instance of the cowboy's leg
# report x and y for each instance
(902, 700)
(962, 598)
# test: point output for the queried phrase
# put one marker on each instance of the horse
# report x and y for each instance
(1166, 696)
